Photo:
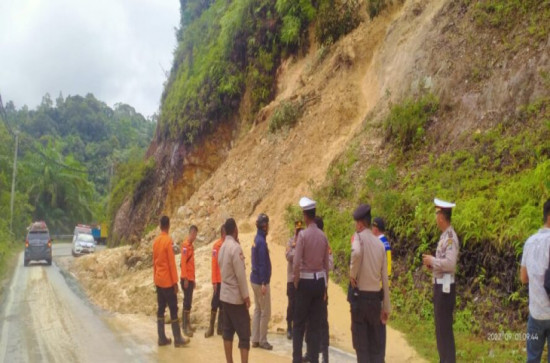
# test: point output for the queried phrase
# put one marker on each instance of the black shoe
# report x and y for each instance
(266, 346)
(163, 342)
(255, 345)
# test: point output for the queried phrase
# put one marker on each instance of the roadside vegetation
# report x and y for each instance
(71, 154)
(227, 48)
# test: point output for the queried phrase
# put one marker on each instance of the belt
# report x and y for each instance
(442, 281)
(313, 275)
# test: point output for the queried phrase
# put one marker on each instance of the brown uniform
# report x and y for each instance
(369, 268)
(236, 318)
(444, 299)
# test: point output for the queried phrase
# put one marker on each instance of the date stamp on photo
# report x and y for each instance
(510, 337)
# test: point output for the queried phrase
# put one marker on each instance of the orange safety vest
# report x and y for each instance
(165, 273)
(187, 261)
(216, 273)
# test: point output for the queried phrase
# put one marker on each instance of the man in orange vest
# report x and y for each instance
(165, 277)
(188, 277)
(217, 285)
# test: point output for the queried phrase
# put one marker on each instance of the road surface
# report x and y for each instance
(45, 317)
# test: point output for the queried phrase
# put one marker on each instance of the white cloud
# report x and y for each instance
(115, 49)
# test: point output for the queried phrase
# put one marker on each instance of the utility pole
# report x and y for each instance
(13, 179)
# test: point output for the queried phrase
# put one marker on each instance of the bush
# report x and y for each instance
(336, 18)
(406, 124)
(285, 116)
(374, 7)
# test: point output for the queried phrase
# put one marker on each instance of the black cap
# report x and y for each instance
(379, 223)
(362, 212)
(262, 220)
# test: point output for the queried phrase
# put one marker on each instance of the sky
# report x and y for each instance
(119, 50)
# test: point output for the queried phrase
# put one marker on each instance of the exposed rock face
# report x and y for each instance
(179, 170)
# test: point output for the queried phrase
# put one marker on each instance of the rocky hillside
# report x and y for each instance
(430, 97)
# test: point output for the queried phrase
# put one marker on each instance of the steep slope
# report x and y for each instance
(345, 91)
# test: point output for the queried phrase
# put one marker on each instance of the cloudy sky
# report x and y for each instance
(119, 50)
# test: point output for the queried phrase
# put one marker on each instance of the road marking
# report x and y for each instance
(7, 310)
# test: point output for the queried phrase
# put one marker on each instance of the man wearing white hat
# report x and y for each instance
(310, 280)
(443, 266)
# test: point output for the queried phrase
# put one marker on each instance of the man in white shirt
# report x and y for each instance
(534, 263)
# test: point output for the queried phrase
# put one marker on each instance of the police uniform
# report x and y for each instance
(369, 268)
(444, 289)
(311, 261)
(290, 290)
(234, 291)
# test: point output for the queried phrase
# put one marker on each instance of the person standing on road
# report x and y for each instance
(534, 263)
(370, 305)
(234, 294)
(290, 290)
(378, 229)
(216, 285)
(443, 266)
(311, 262)
(325, 338)
(260, 277)
(188, 277)
(165, 276)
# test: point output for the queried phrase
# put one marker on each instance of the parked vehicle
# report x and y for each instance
(84, 243)
(81, 229)
(38, 244)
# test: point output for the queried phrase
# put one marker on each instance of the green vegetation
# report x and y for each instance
(499, 178)
(228, 47)
(506, 15)
(68, 153)
(285, 116)
(406, 125)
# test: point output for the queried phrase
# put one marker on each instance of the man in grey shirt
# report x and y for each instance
(534, 263)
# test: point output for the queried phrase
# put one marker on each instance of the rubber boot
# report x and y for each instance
(179, 341)
(220, 322)
(186, 329)
(163, 340)
(210, 330)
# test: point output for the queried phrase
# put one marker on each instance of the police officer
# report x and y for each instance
(290, 290)
(234, 293)
(165, 277)
(370, 305)
(311, 261)
(443, 266)
(216, 285)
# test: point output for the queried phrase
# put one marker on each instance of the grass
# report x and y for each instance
(499, 179)
(285, 116)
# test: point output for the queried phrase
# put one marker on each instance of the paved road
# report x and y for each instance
(46, 318)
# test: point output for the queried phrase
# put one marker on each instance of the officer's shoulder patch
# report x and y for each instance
(241, 256)
(450, 243)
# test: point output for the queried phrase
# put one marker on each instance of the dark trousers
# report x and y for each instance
(444, 305)
(290, 293)
(366, 327)
(188, 295)
(167, 297)
(324, 343)
(308, 309)
(215, 304)
(236, 319)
